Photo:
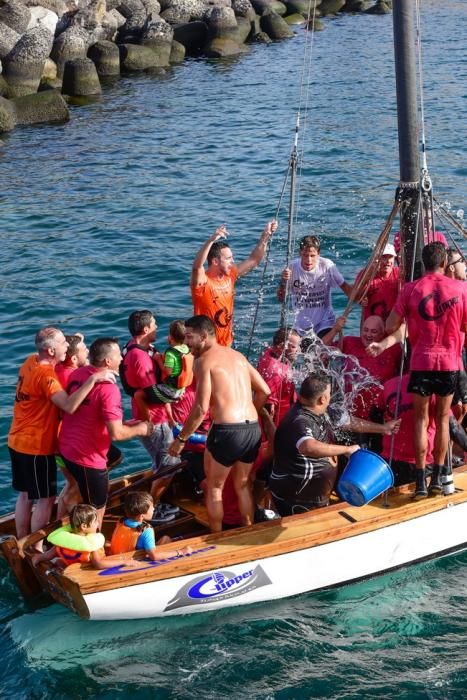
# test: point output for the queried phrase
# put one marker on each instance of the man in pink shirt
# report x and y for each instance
(85, 436)
(275, 366)
(139, 371)
(435, 308)
(381, 367)
(76, 356)
(381, 294)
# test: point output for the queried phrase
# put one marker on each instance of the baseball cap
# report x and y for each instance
(389, 249)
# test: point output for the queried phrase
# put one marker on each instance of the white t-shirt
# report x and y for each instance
(311, 294)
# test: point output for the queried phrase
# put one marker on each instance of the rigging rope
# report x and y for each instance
(303, 96)
(265, 267)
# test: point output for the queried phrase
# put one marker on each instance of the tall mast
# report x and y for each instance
(407, 121)
(293, 164)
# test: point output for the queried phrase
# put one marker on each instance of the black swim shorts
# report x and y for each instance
(428, 383)
(234, 442)
(34, 474)
(93, 484)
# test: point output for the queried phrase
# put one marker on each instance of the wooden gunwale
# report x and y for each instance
(275, 538)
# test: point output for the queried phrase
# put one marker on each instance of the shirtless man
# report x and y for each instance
(224, 384)
(212, 290)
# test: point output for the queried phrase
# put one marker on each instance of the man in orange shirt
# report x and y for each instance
(212, 290)
(32, 440)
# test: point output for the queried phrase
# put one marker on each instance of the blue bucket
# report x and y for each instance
(366, 476)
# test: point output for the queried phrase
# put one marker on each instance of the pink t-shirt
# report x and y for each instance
(63, 373)
(84, 438)
(276, 374)
(403, 449)
(435, 307)
(139, 373)
(381, 295)
(382, 368)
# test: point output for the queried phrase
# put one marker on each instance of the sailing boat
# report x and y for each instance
(311, 551)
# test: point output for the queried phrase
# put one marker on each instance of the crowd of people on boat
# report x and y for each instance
(200, 405)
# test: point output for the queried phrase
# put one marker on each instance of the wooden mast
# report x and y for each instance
(293, 165)
(407, 119)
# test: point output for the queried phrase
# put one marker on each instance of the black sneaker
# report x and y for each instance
(166, 509)
(436, 486)
(421, 490)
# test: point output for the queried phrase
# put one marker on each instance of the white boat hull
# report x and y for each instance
(288, 574)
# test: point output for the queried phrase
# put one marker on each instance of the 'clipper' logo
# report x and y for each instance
(219, 585)
(435, 310)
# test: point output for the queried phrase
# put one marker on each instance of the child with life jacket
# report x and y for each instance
(80, 541)
(176, 368)
(133, 532)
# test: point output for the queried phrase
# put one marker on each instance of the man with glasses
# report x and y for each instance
(455, 268)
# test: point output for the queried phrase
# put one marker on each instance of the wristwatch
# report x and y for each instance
(180, 439)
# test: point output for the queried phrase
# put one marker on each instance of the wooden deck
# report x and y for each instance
(272, 538)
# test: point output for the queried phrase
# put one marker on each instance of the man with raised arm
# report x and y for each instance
(225, 381)
(310, 280)
(32, 440)
(435, 308)
(212, 290)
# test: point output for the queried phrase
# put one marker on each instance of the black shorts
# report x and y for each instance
(93, 483)
(428, 383)
(34, 474)
(234, 442)
(316, 494)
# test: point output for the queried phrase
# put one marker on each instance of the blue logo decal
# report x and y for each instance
(218, 585)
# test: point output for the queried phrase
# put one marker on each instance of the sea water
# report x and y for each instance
(104, 214)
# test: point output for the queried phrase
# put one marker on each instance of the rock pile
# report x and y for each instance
(51, 48)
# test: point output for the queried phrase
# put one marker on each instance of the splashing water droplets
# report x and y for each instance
(348, 378)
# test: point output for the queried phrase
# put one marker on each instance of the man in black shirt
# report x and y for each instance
(305, 450)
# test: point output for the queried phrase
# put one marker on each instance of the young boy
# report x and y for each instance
(80, 541)
(176, 366)
(133, 532)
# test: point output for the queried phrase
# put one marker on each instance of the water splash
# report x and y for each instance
(349, 379)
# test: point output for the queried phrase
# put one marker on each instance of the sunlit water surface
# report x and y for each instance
(103, 215)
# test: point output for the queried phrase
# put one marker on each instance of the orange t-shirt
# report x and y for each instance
(216, 300)
(35, 418)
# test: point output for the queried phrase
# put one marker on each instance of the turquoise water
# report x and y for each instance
(104, 215)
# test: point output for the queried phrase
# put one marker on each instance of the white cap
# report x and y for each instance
(389, 250)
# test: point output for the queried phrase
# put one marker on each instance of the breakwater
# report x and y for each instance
(52, 49)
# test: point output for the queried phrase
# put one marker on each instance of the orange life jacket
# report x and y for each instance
(124, 538)
(71, 556)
